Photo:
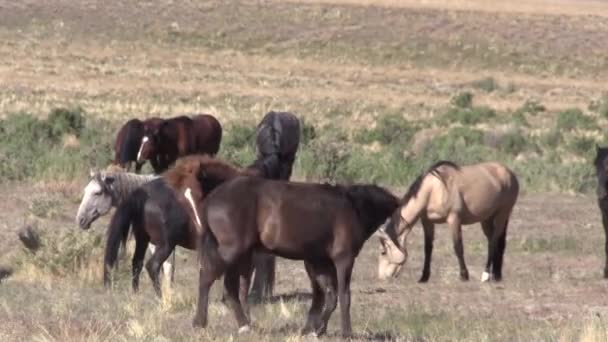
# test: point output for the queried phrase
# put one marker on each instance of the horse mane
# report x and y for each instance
(124, 183)
(373, 204)
(195, 165)
(412, 191)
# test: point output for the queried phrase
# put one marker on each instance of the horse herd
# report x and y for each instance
(239, 219)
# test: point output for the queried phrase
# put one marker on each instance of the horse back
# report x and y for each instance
(278, 133)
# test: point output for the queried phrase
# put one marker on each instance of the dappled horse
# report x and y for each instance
(161, 212)
(324, 225)
(601, 171)
(180, 136)
(448, 193)
(108, 189)
(128, 141)
(277, 142)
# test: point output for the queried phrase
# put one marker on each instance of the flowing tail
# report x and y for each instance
(128, 212)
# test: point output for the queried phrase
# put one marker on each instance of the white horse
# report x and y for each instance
(108, 189)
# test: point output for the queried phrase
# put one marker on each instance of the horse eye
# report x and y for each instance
(97, 193)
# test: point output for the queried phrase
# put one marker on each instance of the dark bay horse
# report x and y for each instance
(128, 140)
(277, 142)
(601, 171)
(456, 195)
(324, 225)
(160, 212)
(178, 137)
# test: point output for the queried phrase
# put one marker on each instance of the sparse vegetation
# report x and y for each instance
(574, 118)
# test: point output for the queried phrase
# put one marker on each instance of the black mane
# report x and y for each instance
(372, 203)
(412, 191)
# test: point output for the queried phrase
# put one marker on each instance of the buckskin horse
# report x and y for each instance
(178, 137)
(324, 225)
(277, 142)
(601, 172)
(448, 193)
(128, 140)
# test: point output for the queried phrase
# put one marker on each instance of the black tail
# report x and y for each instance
(127, 212)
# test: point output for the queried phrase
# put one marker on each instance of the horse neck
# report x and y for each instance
(125, 183)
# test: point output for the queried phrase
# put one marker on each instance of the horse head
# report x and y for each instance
(97, 199)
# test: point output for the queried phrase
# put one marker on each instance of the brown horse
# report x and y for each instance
(324, 225)
(179, 137)
(159, 212)
(448, 193)
(129, 139)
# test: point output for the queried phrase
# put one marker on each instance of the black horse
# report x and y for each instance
(277, 142)
(128, 140)
(601, 171)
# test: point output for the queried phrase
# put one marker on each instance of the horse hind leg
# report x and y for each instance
(232, 290)
(154, 265)
(605, 224)
(141, 244)
(488, 230)
(327, 280)
(318, 301)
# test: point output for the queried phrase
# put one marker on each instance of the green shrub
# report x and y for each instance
(600, 106)
(582, 146)
(531, 107)
(468, 116)
(572, 118)
(462, 100)
(514, 142)
(238, 143)
(551, 139)
(389, 130)
(30, 147)
(308, 132)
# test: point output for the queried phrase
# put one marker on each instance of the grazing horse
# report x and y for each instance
(129, 139)
(601, 171)
(108, 189)
(448, 193)
(324, 225)
(178, 137)
(161, 212)
(277, 142)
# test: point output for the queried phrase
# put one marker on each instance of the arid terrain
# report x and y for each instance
(341, 65)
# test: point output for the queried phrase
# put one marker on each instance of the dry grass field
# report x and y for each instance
(364, 74)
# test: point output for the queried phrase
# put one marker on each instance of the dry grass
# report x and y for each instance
(332, 63)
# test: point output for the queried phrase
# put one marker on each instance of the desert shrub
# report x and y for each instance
(487, 84)
(63, 253)
(325, 158)
(468, 116)
(390, 130)
(462, 100)
(551, 139)
(238, 143)
(531, 107)
(572, 118)
(35, 148)
(514, 142)
(600, 106)
(308, 132)
(459, 144)
(583, 146)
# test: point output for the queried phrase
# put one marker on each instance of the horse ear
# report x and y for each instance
(109, 180)
(91, 173)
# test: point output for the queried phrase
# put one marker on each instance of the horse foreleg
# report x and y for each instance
(318, 301)
(605, 224)
(488, 230)
(456, 229)
(429, 236)
(326, 278)
(344, 270)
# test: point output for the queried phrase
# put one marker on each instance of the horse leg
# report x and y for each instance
(207, 276)
(326, 277)
(501, 222)
(231, 289)
(141, 244)
(429, 236)
(344, 268)
(245, 270)
(605, 224)
(318, 300)
(456, 229)
(263, 279)
(488, 230)
(154, 264)
(138, 166)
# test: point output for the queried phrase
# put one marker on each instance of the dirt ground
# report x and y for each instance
(238, 59)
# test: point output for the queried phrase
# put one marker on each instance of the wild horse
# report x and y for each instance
(180, 136)
(277, 141)
(129, 139)
(324, 225)
(448, 193)
(601, 171)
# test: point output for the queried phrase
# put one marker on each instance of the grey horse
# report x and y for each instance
(108, 189)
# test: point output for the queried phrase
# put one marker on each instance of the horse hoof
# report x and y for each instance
(244, 329)
(198, 323)
(423, 280)
(485, 276)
